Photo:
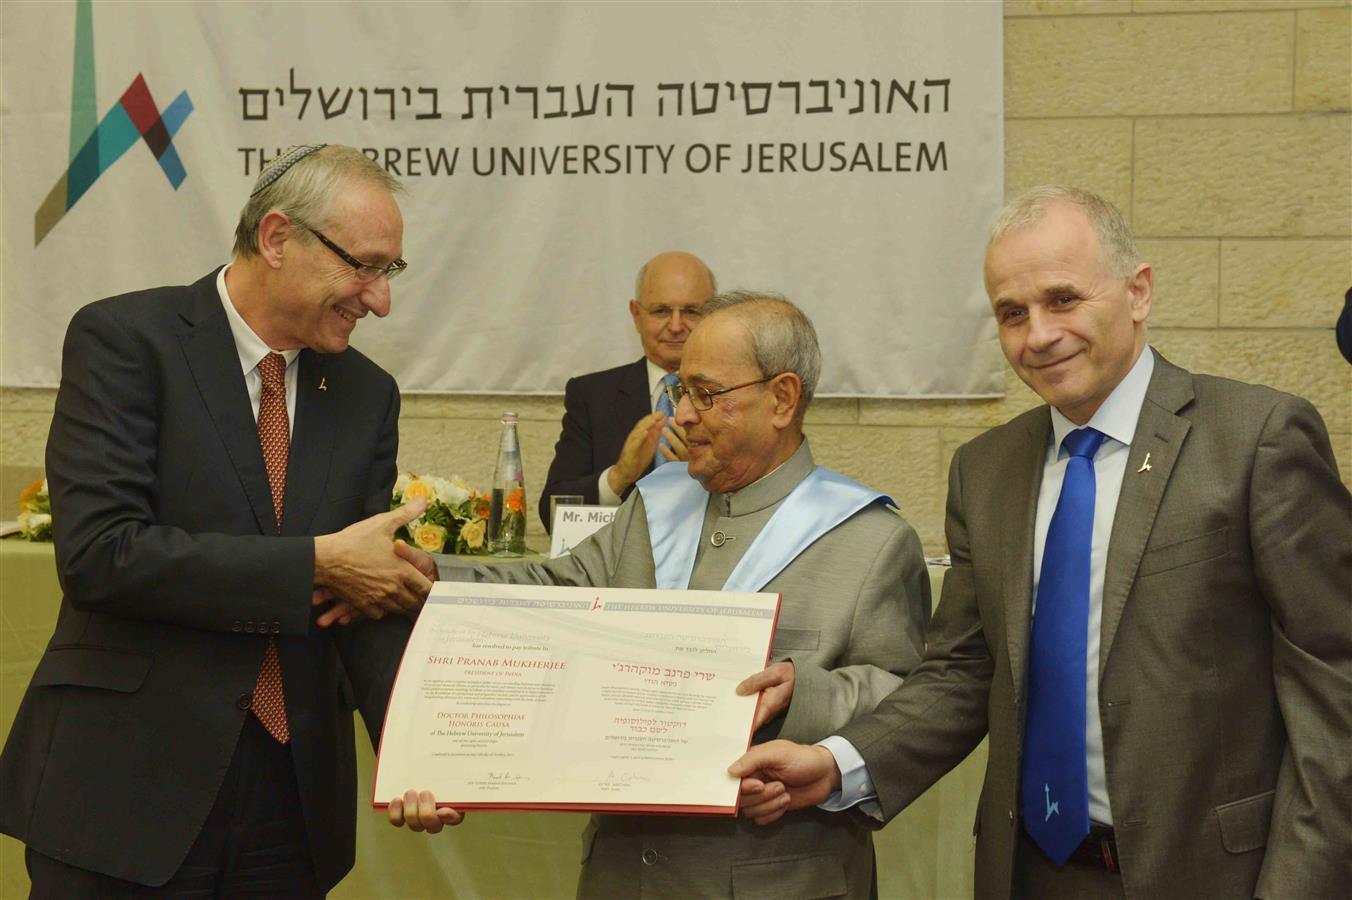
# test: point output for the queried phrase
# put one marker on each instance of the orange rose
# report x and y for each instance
(516, 501)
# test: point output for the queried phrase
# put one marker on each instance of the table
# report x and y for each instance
(925, 852)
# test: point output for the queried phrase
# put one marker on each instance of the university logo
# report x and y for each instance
(96, 145)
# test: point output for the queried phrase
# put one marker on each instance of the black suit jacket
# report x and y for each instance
(173, 577)
(599, 411)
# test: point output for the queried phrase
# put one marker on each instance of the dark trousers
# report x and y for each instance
(252, 845)
(1036, 877)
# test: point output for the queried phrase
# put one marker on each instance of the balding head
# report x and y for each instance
(668, 293)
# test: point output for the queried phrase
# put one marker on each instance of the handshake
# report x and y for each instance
(362, 572)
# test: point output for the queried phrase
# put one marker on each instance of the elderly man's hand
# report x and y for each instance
(638, 452)
(360, 565)
(780, 776)
(340, 612)
(419, 812)
(775, 682)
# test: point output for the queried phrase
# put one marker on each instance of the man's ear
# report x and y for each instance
(274, 232)
(787, 389)
(1141, 287)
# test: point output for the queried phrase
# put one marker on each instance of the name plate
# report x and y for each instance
(574, 524)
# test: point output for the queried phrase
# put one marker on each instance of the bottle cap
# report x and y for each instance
(508, 417)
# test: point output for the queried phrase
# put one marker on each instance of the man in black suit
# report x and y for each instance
(613, 431)
(189, 692)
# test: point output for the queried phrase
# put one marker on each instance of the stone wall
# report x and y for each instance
(1221, 127)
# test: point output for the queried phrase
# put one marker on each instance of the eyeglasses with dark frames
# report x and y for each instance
(364, 272)
(703, 398)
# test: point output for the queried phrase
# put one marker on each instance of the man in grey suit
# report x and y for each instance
(1194, 743)
(855, 603)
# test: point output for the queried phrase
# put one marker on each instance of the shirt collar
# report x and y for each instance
(771, 487)
(655, 375)
(1118, 415)
(250, 347)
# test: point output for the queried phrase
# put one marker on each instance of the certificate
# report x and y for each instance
(564, 698)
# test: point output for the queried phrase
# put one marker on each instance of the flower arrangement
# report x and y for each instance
(455, 520)
(35, 512)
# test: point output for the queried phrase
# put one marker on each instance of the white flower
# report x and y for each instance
(400, 483)
(35, 526)
(452, 492)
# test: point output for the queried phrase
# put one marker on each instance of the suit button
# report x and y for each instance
(244, 701)
(276, 627)
(237, 625)
(650, 857)
(249, 627)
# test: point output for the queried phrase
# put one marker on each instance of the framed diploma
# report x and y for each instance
(564, 698)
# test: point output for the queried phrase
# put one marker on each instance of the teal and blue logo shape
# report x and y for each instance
(95, 145)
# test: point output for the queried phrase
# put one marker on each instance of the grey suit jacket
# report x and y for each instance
(855, 605)
(1225, 681)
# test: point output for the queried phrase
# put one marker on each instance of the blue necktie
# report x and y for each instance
(665, 408)
(1055, 791)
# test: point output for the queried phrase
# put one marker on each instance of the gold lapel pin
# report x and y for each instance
(1145, 466)
(325, 387)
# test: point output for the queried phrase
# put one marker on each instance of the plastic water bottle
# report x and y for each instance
(507, 509)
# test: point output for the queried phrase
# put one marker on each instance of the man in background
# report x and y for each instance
(617, 423)
(220, 465)
(855, 591)
(1148, 612)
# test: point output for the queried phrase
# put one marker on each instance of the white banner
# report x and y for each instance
(847, 155)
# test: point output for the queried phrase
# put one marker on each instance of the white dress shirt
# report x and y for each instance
(1116, 418)
(655, 375)
(251, 349)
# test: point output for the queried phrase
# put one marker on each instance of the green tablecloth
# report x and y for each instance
(924, 852)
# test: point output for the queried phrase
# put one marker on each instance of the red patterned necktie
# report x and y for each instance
(274, 436)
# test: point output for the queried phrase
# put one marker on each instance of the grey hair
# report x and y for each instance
(305, 190)
(1117, 246)
(643, 273)
(782, 336)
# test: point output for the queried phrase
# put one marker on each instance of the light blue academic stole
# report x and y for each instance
(675, 504)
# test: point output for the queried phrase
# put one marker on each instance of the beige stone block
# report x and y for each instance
(27, 400)
(939, 413)
(901, 462)
(1148, 65)
(832, 411)
(1198, 6)
(1066, 7)
(1094, 154)
(1305, 363)
(1244, 176)
(1284, 284)
(450, 447)
(1187, 282)
(482, 406)
(23, 440)
(1323, 59)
